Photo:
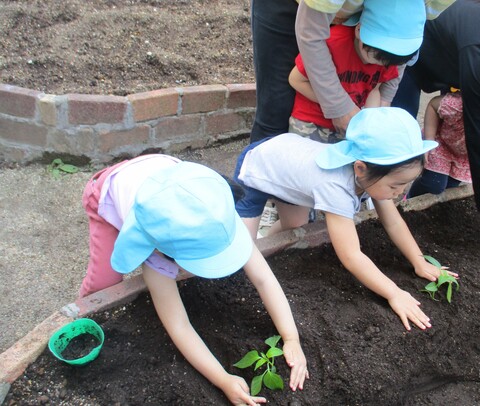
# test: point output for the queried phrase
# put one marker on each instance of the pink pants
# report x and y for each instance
(100, 274)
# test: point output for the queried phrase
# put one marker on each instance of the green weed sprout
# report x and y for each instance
(269, 377)
(444, 277)
(57, 167)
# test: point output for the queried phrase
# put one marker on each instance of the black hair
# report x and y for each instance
(237, 190)
(387, 58)
(375, 172)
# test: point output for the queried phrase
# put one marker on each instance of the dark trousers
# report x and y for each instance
(274, 52)
(431, 182)
(408, 94)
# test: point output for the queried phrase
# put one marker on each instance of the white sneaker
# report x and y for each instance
(269, 216)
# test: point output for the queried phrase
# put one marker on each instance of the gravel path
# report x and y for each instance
(44, 239)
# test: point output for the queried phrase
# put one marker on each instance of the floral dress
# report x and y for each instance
(450, 157)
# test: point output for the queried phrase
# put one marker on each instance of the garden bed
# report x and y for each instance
(357, 349)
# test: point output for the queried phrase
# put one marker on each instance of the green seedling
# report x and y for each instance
(269, 377)
(57, 167)
(433, 287)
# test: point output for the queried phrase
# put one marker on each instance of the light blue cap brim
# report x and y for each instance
(133, 247)
(227, 262)
(343, 153)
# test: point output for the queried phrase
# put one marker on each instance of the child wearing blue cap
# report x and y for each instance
(174, 218)
(367, 52)
(382, 154)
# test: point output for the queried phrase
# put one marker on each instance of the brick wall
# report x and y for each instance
(101, 128)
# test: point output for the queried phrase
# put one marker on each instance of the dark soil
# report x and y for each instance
(357, 349)
(80, 346)
(124, 46)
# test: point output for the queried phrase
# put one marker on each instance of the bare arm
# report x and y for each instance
(431, 118)
(401, 236)
(343, 235)
(171, 311)
(301, 84)
(269, 289)
(373, 98)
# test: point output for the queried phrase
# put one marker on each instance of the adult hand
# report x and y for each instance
(341, 123)
(296, 360)
(407, 308)
(238, 392)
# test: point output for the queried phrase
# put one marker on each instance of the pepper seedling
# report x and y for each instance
(444, 277)
(269, 377)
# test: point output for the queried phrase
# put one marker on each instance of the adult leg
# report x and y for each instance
(274, 52)
(408, 93)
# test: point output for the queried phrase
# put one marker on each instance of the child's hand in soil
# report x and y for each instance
(407, 308)
(430, 272)
(292, 350)
(238, 392)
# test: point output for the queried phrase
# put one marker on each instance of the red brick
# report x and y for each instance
(24, 133)
(155, 104)
(93, 109)
(174, 127)
(17, 101)
(112, 140)
(221, 123)
(241, 95)
(201, 99)
(15, 360)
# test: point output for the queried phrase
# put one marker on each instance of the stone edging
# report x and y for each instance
(16, 359)
(99, 128)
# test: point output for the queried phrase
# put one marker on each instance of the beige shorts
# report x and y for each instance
(313, 131)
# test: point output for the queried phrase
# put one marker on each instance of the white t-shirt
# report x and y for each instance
(285, 167)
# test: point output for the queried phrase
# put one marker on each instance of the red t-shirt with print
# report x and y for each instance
(358, 79)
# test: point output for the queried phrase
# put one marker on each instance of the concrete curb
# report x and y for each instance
(16, 359)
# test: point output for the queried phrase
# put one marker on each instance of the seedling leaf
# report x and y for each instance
(449, 293)
(432, 260)
(248, 359)
(431, 287)
(273, 381)
(272, 341)
(443, 278)
(260, 362)
(274, 352)
(69, 168)
(269, 377)
(256, 385)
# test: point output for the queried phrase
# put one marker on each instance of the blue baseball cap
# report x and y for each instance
(186, 212)
(380, 135)
(395, 26)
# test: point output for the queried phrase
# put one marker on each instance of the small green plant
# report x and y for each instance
(269, 377)
(58, 166)
(444, 277)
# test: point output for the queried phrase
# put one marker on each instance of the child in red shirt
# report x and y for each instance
(361, 70)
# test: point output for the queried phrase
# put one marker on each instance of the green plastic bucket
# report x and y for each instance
(61, 339)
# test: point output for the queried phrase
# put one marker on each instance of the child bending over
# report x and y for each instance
(382, 154)
(174, 218)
